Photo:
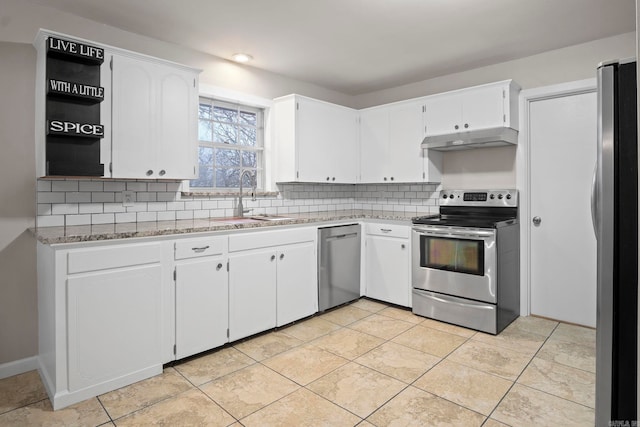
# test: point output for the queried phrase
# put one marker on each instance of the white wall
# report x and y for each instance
(20, 20)
(18, 308)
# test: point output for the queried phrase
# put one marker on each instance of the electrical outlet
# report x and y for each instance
(128, 197)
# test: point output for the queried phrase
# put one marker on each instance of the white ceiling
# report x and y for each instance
(359, 46)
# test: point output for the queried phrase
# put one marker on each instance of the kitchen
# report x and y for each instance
(460, 171)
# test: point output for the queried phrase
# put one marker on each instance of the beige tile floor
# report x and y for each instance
(362, 364)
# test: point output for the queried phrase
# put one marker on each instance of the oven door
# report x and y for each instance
(456, 261)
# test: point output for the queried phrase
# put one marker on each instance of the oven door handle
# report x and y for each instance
(476, 305)
(439, 232)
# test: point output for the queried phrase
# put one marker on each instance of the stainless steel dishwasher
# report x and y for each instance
(338, 265)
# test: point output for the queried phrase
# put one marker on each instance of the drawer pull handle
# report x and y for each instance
(385, 230)
(200, 250)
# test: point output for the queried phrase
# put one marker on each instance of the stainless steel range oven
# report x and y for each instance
(465, 266)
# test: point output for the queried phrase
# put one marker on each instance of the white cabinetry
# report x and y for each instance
(480, 107)
(202, 296)
(154, 119)
(272, 279)
(387, 263)
(315, 141)
(101, 322)
(390, 137)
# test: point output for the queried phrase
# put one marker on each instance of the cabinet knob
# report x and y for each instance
(456, 127)
(333, 179)
(281, 256)
(402, 246)
(273, 257)
(466, 125)
(162, 172)
(328, 178)
(385, 178)
(150, 172)
(391, 178)
(219, 266)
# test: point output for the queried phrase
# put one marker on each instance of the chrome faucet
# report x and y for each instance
(240, 211)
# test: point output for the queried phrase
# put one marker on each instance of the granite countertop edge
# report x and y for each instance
(99, 232)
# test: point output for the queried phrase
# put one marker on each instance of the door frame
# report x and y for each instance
(523, 172)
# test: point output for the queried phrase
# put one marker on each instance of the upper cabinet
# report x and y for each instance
(315, 141)
(481, 107)
(390, 137)
(154, 119)
(143, 124)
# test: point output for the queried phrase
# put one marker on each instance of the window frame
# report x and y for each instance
(260, 147)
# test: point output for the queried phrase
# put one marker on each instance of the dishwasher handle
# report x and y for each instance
(341, 236)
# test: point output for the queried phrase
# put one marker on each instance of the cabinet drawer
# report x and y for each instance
(194, 248)
(390, 230)
(93, 259)
(265, 239)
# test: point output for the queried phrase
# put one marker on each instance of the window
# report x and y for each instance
(230, 142)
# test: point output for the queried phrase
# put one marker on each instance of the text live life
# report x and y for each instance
(78, 49)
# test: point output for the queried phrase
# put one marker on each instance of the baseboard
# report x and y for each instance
(16, 367)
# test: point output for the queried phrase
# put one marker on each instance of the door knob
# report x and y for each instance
(537, 220)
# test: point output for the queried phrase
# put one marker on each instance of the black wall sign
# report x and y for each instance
(79, 51)
(73, 129)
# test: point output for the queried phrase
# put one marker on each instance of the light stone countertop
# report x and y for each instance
(89, 233)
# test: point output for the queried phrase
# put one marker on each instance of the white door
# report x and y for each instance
(297, 282)
(563, 246)
(252, 292)
(202, 305)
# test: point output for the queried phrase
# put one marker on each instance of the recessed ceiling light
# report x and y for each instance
(241, 57)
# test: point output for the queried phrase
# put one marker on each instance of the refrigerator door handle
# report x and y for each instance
(594, 201)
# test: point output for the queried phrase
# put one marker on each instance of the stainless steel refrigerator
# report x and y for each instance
(615, 216)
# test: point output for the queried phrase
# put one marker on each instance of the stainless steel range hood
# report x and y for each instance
(493, 137)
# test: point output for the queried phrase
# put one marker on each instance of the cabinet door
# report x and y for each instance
(442, 114)
(202, 305)
(483, 107)
(177, 143)
(387, 269)
(374, 139)
(134, 132)
(252, 292)
(114, 324)
(297, 282)
(405, 158)
(326, 140)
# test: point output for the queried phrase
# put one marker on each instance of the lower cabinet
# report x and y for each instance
(101, 322)
(202, 295)
(387, 263)
(272, 279)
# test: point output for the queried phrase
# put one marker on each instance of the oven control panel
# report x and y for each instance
(497, 198)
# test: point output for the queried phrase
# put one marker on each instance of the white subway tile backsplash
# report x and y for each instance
(126, 217)
(77, 197)
(101, 201)
(90, 208)
(64, 186)
(50, 221)
(104, 197)
(50, 197)
(104, 218)
(137, 186)
(91, 186)
(146, 216)
(115, 186)
(78, 220)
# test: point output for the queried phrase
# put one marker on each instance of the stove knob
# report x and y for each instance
(500, 196)
(444, 196)
(508, 196)
(492, 197)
